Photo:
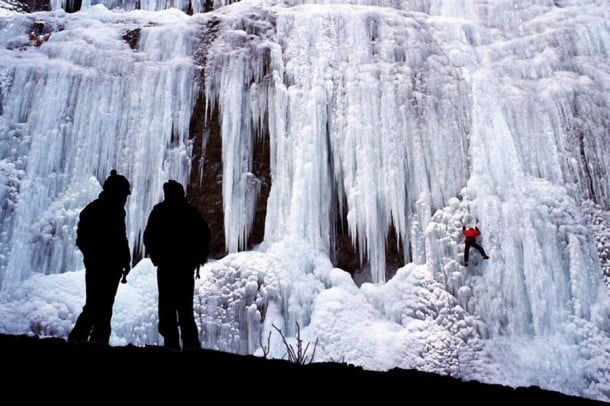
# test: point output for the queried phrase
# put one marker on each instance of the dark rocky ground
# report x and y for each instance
(51, 371)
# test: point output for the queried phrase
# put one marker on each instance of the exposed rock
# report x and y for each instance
(132, 37)
(205, 186)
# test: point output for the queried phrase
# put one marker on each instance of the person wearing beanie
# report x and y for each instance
(102, 239)
(177, 241)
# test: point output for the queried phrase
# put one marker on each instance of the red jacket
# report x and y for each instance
(471, 234)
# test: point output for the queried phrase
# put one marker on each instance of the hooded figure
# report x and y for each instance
(102, 239)
(177, 239)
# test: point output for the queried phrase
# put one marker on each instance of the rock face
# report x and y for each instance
(38, 5)
(26, 6)
(149, 372)
(205, 187)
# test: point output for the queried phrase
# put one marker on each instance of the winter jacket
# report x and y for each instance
(101, 234)
(176, 235)
(471, 234)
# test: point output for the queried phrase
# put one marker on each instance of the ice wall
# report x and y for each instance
(357, 99)
(73, 109)
(410, 116)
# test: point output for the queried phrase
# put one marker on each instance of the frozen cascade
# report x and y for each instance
(381, 149)
(73, 110)
(410, 117)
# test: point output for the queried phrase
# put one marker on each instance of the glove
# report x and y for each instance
(126, 269)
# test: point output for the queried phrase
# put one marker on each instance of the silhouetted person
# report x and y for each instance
(177, 239)
(102, 238)
(470, 240)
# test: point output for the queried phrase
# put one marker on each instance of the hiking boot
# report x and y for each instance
(485, 257)
(72, 340)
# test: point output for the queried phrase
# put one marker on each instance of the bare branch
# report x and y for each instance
(268, 346)
(300, 356)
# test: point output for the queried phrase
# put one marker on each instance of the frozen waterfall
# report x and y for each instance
(406, 119)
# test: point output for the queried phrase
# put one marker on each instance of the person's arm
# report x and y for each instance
(124, 245)
(151, 235)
